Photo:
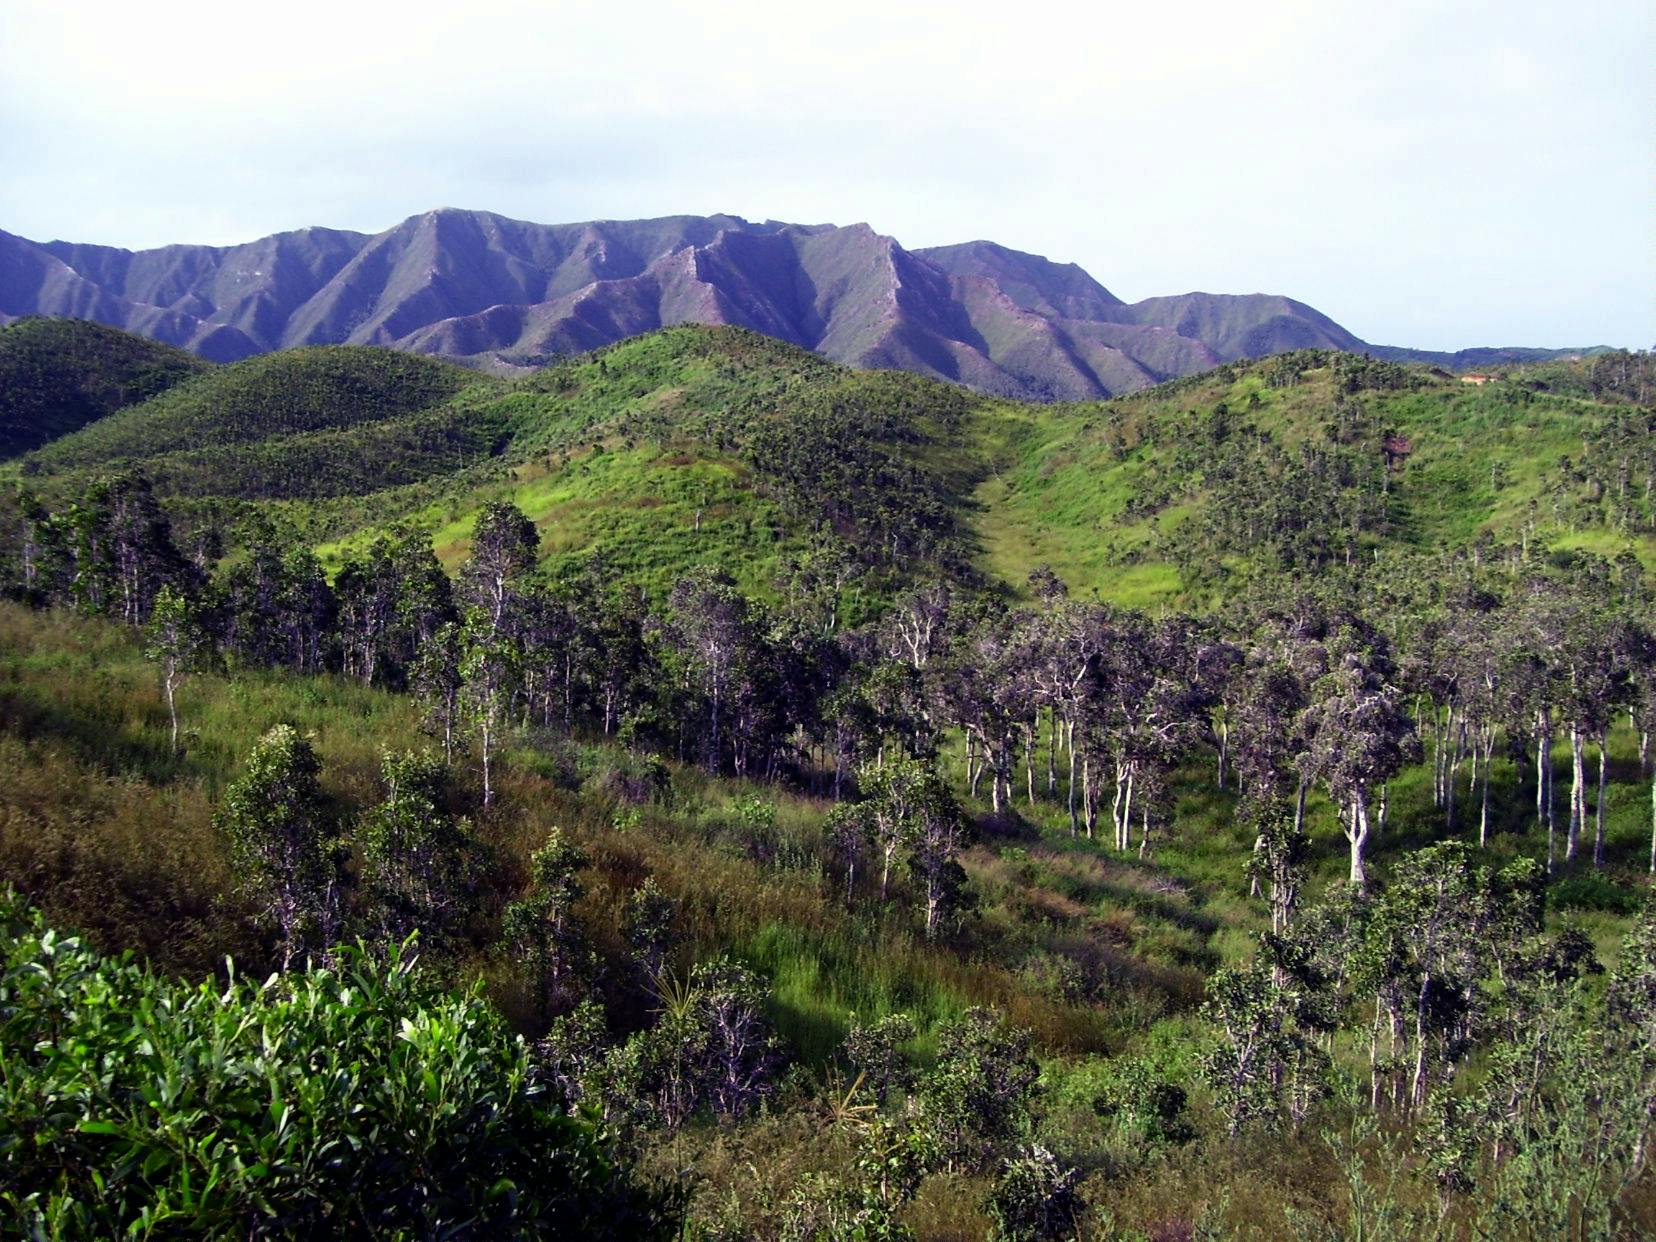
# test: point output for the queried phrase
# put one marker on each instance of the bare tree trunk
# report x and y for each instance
(1541, 760)
(1115, 806)
(1598, 834)
(1578, 794)
(1483, 813)
(1052, 752)
(1451, 770)
(1029, 760)
(1357, 834)
(1544, 812)
(1090, 802)
(1125, 840)
(170, 682)
(1418, 1094)
(1074, 826)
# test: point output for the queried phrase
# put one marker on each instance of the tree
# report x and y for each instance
(305, 609)
(848, 829)
(1642, 662)
(284, 856)
(647, 925)
(393, 598)
(140, 543)
(741, 1050)
(1358, 734)
(937, 831)
(899, 796)
(1272, 1014)
(438, 683)
(875, 1051)
(505, 545)
(490, 669)
(366, 587)
(539, 932)
(987, 687)
(175, 641)
(1035, 1198)
(982, 1090)
(419, 863)
(713, 628)
(1282, 850)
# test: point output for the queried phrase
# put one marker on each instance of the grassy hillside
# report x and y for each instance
(1188, 491)
(716, 445)
(58, 375)
(280, 394)
(1103, 956)
(569, 836)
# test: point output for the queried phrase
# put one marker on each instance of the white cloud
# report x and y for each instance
(1389, 165)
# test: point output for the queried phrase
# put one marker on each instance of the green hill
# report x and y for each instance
(58, 375)
(1190, 490)
(302, 390)
(792, 882)
(718, 445)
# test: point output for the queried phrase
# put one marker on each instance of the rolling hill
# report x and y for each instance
(57, 375)
(505, 295)
(695, 445)
(590, 836)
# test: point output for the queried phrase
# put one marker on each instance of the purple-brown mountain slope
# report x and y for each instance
(502, 293)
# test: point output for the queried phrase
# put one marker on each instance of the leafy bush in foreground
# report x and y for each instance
(335, 1101)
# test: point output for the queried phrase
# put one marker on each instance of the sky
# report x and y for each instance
(1432, 174)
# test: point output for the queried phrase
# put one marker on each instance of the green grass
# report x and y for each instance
(615, 452)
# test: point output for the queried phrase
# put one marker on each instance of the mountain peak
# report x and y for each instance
(492, 290)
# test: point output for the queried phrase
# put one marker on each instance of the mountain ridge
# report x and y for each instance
(502, 294)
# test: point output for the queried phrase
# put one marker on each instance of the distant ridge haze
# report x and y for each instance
(503, 294)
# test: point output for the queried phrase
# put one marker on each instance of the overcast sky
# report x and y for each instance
(1435, 174)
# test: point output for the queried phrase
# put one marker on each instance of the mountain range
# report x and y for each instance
(506, 295)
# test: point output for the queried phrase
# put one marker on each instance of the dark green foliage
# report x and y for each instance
(852, 460)
(301, 390)
(875, 1051)
(1143, 1104)
(392, 602)
(647, 925)
(351, 1100)
(420, 865)
(539, 933)
(370, 456)
(1035, 1198)
(980, 1094)
(712, 1046)
(58, 375)
(282, 844)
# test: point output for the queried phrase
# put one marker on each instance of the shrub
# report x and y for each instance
(351, 1100)
(1034, 1198)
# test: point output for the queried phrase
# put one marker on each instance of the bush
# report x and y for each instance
(1593, 892)
(344, 1101)
(1034, 1198)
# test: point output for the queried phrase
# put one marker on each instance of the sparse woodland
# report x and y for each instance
(366, 877)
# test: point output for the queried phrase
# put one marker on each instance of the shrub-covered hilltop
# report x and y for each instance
(702, 788)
